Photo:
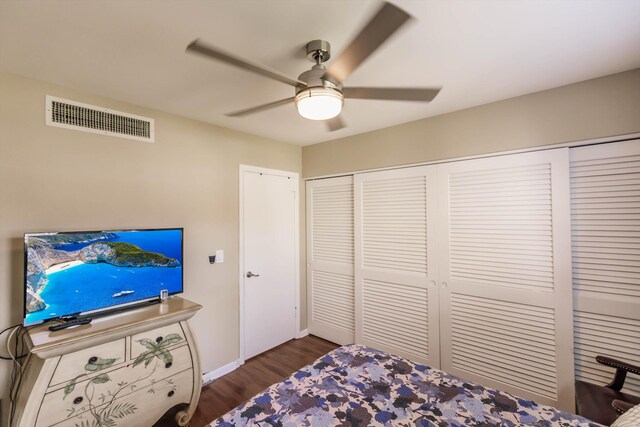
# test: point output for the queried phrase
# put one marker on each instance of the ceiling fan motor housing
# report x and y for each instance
(315, 77)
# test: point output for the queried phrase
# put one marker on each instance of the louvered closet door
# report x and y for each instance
(396, 296)
(330, 259)
(505, 277)
(605, 215)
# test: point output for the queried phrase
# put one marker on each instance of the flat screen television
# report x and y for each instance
(87, 272)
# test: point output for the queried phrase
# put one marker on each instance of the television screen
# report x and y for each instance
(78, 272)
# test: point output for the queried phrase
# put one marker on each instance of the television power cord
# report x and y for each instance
(12, 355)
(17, 333)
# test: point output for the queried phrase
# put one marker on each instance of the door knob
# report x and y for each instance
(250, 275)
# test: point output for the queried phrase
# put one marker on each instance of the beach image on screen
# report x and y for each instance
(68, 273)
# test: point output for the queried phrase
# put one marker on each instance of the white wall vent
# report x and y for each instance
(89, 118)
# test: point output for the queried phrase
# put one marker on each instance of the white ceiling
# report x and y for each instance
(478, 51)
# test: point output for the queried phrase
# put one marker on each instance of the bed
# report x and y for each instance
(356, 385)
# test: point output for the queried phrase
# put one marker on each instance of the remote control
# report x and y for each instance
(70, 324)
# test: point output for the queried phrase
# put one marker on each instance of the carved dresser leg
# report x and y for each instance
(182, 418)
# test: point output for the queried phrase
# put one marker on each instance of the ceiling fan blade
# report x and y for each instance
(335, 123)
(391, 93)
(197, 46)
(386, 22)
(259, 108)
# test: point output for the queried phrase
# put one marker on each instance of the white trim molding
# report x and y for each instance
(209, 377)
(302, 334)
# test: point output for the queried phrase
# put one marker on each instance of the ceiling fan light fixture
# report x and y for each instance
(319, 103)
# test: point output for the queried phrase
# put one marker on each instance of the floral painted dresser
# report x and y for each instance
(126, 369)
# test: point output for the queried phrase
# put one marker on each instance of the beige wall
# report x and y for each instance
(595, 108)
(57, 179)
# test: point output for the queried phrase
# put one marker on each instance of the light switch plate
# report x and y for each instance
(219, 256)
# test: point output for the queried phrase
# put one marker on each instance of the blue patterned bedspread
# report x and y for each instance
(358, 386)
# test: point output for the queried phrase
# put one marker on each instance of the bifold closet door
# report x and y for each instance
(605, 216)
(396, 265)
(330, 254)
(505, 274)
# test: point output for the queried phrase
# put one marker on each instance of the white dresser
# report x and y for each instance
(125, 369)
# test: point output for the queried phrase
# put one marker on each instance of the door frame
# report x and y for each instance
(296, 250)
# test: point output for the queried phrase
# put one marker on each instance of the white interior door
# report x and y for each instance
(331, 294)
(268, 259)
(505, 276)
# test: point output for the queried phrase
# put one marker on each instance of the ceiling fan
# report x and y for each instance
(319, 93)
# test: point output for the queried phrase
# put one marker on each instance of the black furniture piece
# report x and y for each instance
(604, 404)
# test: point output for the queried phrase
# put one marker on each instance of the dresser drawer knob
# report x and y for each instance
(93, 359)
(158, 339)
(77, 400)
(171, 393)
(168, 365)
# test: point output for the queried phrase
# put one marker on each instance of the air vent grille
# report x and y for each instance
(89, 118)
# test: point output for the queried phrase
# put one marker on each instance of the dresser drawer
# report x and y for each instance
(89, 361)
(140, 408)
(81, 400)
(165, 337)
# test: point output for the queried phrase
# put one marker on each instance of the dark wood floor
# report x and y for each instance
(257, 373)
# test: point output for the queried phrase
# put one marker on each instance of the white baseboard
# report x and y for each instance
(208, 377)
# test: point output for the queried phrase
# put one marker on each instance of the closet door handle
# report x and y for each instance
(443, 285)
(250, 275)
